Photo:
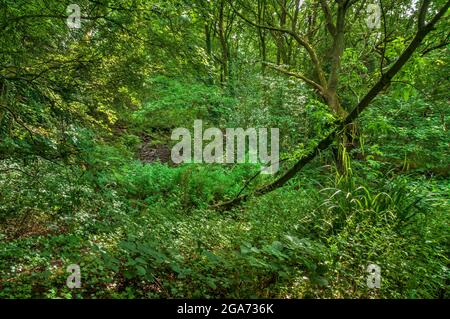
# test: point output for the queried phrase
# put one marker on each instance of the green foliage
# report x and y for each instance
(177, 104)
(78, 108)
(411, 134)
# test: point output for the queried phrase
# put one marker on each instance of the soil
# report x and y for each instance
(150, 153)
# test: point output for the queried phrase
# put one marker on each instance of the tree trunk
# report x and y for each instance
(208, 47)
(224, 45)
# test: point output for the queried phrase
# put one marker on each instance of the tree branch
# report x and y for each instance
(422, 14)
(328, 17)
(295, 75)
(368, 98)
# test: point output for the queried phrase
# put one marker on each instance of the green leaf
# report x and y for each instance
(140, 270)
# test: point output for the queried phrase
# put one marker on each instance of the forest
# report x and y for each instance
(210, 149)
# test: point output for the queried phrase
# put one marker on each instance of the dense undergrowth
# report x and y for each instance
(148, 230)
